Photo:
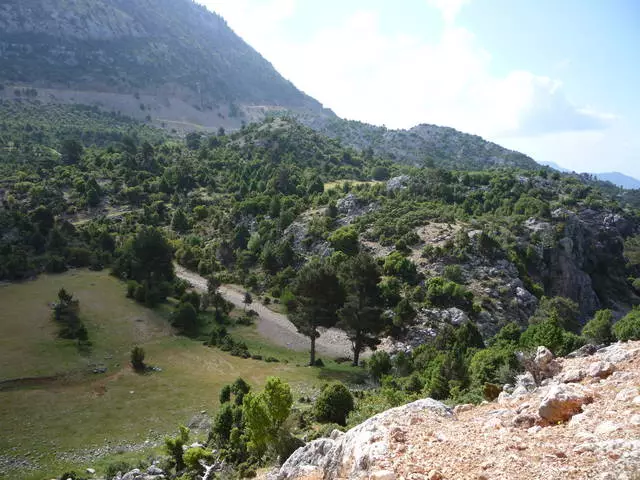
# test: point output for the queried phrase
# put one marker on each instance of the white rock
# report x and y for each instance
(606, 428)
(354, 453)
(577, 419)
(600, 369)
(635, 420)
(615, 353)
(91, 471)
(571, 376)
(627, 395)
(463, 408)
(562, 402)
(383, 475)
(535, 429)
(636, 400)
(526, 382)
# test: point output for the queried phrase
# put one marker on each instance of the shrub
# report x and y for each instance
(113, 469)
(345, 240)
(137, 359)
(173, 447)
(546, 333)
(599, 329)
(193, 456)
(486, 364)
(628, 328)
(453, 273)
(378, 365)
(185, 318)
(225, 394)
(334, 404)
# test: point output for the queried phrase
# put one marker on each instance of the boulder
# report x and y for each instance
(525, 383)
(354, 454)
(562, 401)
(584, 351)
(546, 363)
(600, 369)
(573, 375)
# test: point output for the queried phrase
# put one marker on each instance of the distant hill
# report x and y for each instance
(617, 178)
(620, 179)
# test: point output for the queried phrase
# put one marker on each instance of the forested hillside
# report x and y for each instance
(447, 272)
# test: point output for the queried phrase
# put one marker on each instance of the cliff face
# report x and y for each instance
(582, 422)
(587, 264)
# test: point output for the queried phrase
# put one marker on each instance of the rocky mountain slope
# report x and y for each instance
(421, 144)
(581, 421)
(163, 51)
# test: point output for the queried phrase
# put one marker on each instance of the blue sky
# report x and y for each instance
(557, 80)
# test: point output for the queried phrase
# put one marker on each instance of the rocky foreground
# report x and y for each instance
(581, 422)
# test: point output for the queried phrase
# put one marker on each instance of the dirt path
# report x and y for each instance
(276, 327)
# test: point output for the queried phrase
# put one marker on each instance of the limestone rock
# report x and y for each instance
(606, 428)
(546, 363)
(574, 375)
(600, 369)
(627, 395)
(353, 454)
(562, 401)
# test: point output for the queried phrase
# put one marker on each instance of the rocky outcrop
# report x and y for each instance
(586, 263)
(355, 454)
(585, 429)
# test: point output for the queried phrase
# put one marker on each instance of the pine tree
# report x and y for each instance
(319, 295)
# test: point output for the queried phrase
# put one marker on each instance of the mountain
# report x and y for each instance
(181, 62)
(619, 179)
(444, 146)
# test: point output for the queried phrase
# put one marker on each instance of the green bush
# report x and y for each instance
(552, 336)
(486, 364)
(628, 328)
(345, 240)
(598, 330)
(193, 456)
(137, 359)
(379, 364)
(334, 404)
(114, 468)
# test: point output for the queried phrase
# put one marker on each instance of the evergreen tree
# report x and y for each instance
(361, 314)
(319, 295)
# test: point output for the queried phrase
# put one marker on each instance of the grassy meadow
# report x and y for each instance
(59, 410)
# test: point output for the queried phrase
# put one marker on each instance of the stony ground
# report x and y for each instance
(582, 423)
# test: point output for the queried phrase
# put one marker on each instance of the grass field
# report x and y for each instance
(340, 183)
(61, 412)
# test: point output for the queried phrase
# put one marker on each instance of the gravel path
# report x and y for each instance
(276, 327)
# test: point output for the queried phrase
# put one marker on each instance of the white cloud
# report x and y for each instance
(400, 80)
(255, 21)
(448, 8)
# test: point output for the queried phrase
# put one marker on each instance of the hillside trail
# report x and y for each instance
(274, 326)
